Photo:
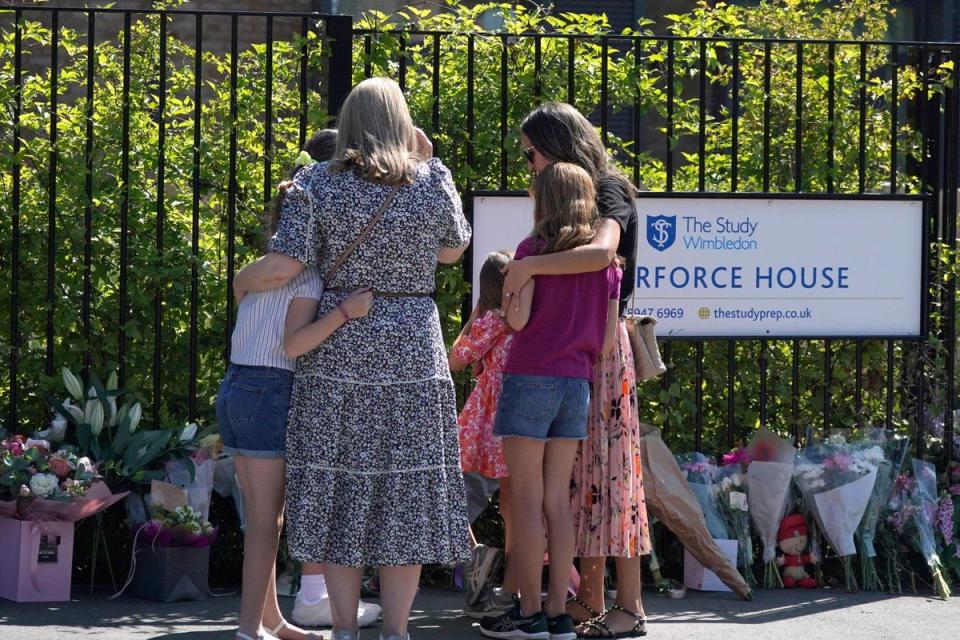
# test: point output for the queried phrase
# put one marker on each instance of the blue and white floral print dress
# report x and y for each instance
(373, 463)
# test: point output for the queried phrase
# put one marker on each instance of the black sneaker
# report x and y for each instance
(513, 624)
(562, 627)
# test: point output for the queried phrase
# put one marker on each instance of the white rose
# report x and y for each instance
(84, 464)
(726, 483)
(43, 484)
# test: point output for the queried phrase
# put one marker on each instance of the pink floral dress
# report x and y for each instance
(489, 342)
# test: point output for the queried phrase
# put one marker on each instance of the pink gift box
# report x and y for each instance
(36, 558)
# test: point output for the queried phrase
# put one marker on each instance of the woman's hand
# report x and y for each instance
(424, 149)
(518, 273)
(358, 304)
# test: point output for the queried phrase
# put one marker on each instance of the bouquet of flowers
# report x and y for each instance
(38, 482)
(730, 490)
(913, 510)
(180, 527)
(700, 474)
(837, 481)
(770, 461)
(895, 451)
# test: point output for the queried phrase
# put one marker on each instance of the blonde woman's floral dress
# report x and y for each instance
(373, 464)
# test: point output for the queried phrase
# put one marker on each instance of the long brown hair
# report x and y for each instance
(377, 138)
(491, 281)
(563, 134)
(320, 146)
(565, 207)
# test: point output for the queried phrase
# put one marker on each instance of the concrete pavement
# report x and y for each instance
(810, 615)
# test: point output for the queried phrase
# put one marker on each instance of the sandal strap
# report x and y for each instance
(244, 636)
(597, 624)
(636, 616)
(577, 600)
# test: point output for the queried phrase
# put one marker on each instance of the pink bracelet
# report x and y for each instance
(346, 316)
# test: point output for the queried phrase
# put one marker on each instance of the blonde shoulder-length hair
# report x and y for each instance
(376, 137)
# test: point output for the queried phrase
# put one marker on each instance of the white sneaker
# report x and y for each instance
(317, 614)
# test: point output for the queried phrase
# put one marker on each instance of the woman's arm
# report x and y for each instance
(301, 334)
(448, 255)
(590, 257)
(519, 314)
(613, 319)
(268, 272)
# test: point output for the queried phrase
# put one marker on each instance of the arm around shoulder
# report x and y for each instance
(519, 314)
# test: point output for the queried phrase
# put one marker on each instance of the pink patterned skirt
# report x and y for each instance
(609, 511)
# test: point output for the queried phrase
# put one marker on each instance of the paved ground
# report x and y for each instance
(774, 615)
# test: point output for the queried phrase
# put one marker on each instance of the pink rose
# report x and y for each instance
(59, 466)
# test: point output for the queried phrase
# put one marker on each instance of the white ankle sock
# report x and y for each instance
(313, 588)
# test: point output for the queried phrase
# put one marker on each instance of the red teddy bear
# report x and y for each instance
(793, 539)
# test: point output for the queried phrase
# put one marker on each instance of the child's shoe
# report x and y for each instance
(514, 625)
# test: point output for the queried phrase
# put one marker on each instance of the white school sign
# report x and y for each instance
(767, 267)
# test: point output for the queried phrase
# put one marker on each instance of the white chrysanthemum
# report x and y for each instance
(43, 484)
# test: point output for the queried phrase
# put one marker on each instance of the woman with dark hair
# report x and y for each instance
(608, 502)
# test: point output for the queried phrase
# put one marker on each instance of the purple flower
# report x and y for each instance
(945, 519)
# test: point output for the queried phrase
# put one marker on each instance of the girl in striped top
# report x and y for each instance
(273, 328)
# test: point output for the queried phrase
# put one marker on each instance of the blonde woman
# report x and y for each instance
(373, 468)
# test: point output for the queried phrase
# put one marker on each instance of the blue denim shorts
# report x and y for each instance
(542, 407)
(252, 407)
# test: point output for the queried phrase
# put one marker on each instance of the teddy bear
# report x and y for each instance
(792, 539)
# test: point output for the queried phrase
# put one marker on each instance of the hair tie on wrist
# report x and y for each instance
(346, 316)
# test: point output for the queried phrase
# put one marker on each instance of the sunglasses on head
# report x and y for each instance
(528, 153)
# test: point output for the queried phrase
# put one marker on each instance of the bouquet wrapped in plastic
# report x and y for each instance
(913, 510)
(182, 527)
(700, 478)
(894, 453)
(769, 471)
(837, 480)
(731, 493)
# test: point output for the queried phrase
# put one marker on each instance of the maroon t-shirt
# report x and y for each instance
(567, 321)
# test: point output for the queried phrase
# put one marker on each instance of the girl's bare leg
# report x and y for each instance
(524, 457)
(557, 469)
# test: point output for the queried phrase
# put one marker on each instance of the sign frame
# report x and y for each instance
(926, 200)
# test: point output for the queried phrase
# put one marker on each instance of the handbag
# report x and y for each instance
(360, 236)
(646, 352)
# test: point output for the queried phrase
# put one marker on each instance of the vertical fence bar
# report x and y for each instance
(735, 120)
(698, 432)
(889, 391)
(862, 147)
(763, 382)
(604, 73)
(195, 221)
(268, 119)
(831, 114)
(667, 378)
(504, 96)
(52, 188)
(339, 30)
(795, 390)
(435, 92)
(731, 400)
(894, 104)
(304, 80)
(858, 381)
(15, 222)
(637, 56)
(161, 213)
(571, 76)
(88, 196)
(538, 68)
(232, 184)
(766, 116)
(952, 164)
(798, 127)
(471, 124)
(702, 117)
(402, 62)
(124, 204)
(827, 383)
(669, 158)
(367, 56)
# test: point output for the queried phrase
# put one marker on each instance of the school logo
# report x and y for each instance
(661, 231)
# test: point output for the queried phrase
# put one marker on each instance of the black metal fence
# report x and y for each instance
(707, 115)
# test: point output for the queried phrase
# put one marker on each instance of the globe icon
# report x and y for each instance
(704, 313)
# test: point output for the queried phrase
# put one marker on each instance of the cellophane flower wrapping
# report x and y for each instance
(768, 487)
(730, 488)
(837, 480)
(700, 473)
(894, 453)
(912, 515)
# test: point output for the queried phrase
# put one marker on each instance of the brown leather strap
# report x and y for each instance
(360, 237)
(385, 294)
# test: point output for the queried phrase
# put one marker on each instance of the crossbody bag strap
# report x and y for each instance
(360, 237)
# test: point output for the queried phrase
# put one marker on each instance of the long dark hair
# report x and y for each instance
(491, 281)
(563, 134)
(320, 146)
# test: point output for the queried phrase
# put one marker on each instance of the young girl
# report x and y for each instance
(272, 329)
(485, 340)
(542, 415)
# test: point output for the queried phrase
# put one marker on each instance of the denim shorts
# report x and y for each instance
(252, 407)
(542, 407)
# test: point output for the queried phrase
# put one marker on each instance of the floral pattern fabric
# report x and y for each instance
(610, 513)
(488, 341)
(373, 462)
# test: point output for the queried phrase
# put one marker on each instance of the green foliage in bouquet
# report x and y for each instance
(111, 437)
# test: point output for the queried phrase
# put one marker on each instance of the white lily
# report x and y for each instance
(136, 412)
(70, 381)
(188, 432)
(93, 416)
(112, 381)
(58, 428)
(75, 412)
